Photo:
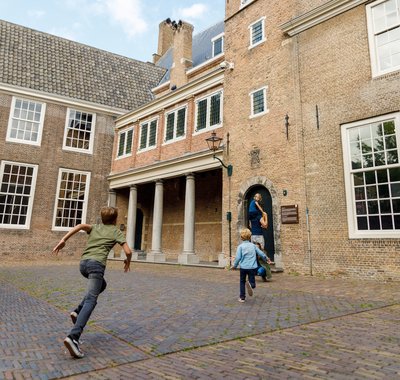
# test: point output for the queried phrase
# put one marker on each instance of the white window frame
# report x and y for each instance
(147, 148)
(245, 3)
(208, 127)
(376, 71)
(216, 38)
(263, 39)
(40, 122)
(92, 132)
(124, 155)
(354, 233)
(175, 138)
(266, 110)
(25, 226)
(85, 202)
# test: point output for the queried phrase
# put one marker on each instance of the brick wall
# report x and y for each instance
(40, 239)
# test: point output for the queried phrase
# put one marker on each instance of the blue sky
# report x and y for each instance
(125, 27)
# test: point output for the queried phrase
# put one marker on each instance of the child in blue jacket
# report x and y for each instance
(246, 256)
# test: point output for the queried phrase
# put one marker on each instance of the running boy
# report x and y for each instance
(102, 237)
(246, 256)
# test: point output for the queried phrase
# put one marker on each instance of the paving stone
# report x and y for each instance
(178, 323)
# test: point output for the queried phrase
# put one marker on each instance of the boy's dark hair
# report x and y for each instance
(109, 215)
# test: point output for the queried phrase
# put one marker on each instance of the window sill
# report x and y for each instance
(257, 44)
(258, 114)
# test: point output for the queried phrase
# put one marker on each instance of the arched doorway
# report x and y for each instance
(267, 206)
(138, 230)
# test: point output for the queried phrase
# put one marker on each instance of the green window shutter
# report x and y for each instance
(143, 136)
(169, 135)
(180, 123)
(153, 133)
(215, 110)
(129, 141)
(201, 114)
(121, 143)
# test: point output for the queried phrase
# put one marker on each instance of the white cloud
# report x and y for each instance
(196, 11)
(127, 13)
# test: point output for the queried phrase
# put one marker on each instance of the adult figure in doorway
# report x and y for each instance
(258, 220)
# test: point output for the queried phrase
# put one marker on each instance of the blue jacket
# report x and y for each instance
(246, 255)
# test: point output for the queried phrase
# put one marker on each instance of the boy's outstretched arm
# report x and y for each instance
(73, 231)
(128, 253)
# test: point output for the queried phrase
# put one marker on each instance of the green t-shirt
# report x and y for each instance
(101, 239)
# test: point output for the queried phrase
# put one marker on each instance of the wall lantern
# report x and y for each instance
(214, 143)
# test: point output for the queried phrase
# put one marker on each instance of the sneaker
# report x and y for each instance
(74, 316)
(73, 347)
(241, 300)
(249, 288)
(264, 278)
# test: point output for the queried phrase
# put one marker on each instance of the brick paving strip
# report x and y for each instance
(177, 322)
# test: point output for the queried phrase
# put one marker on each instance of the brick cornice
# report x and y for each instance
(318, 15)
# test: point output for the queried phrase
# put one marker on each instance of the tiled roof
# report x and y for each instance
(201, 49)
(43, 62)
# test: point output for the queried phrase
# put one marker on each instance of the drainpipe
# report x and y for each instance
(309, 241)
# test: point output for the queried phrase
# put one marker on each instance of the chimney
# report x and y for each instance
(165, 38)
(182, 54)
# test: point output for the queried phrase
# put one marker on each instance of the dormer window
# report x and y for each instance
(217, 45)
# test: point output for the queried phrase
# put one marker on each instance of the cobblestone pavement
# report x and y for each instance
(173, 322)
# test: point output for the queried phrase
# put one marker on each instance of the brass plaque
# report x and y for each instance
(290, 214)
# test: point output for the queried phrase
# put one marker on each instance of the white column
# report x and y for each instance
(156, 255)
(112, 202)
(188, 255)
(131, 222)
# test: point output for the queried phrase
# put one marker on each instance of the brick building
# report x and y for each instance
(58, 103)
(163, 175)
(313, 121)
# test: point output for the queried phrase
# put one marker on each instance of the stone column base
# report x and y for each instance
(188, 258)
(222, 260)
(156, 257)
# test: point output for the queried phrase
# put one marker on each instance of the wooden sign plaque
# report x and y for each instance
(290, 214)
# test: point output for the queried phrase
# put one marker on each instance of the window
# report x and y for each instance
(148, 135)
(258, 102)
(16, 194)
(125, 139)
(175, 127)
(257, 33)
(243, 3)
(217, 45)
(72, 198)
(25, 124)
(208, 112)
(372, 176)
(79, 131)
(384, 35)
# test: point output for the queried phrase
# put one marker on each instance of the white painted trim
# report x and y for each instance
(161, 86)
(216, 38)
(85, 202)
(319, 15)
(174, 138)
(27, 224)
(176, 167)
(197, 86)
(349, 185)
(250, 27)
(53, 98)
(208, 126)
(92, 133)
(245, 3)
(124, 155)
(148, 122)
(266, 110)
(41, 123)
(204, 64)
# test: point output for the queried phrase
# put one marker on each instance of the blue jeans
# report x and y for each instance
(251, 274)
(94, 272)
